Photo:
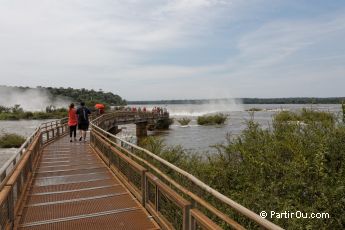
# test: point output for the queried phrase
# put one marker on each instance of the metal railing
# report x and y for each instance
(175, 198)
(16, 173)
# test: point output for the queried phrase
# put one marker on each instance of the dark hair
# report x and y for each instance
(82, 103)
(71, 106)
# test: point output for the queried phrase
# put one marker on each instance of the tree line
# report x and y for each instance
(89, 96)
(289, 100)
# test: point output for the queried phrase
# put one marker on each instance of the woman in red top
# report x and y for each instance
(72, 122)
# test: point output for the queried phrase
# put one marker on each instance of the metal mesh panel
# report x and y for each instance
(151, 192)
(71, 179)
(133, 220)
(72, 186)
(123, 167)
(3, 215)
(198, 227)
(70, 172)
(114, 159)
(15, 192)
(69, 166)
(48, 212)
(37, 199)
(170, 211)
(135, 178)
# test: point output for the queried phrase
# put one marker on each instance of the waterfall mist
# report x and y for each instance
(30, 99)
(198, 109)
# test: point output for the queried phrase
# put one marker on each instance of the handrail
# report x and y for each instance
(14, 160)
(234, 205)
(19, 152)
(16, 173)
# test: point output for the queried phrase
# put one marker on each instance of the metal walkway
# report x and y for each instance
(73, 189)
(108, 183)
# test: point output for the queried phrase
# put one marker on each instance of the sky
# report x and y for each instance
(176, 49)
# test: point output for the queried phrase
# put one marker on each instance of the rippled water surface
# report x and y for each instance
(22, 127)
(200, 138)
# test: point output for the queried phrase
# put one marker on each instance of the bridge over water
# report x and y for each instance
(108, 183)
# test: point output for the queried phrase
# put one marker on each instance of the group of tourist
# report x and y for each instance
(155, 110)
(135, 109)
(159, 110)
(79, 118)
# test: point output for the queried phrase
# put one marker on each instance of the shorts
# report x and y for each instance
(83, 126)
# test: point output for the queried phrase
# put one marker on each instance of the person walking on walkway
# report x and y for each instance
(83, 120)
(72, 122)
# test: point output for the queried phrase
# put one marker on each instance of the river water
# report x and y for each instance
(193, 137)
(22, 127)
(199, 138)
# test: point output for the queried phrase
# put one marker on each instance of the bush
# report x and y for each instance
(42, 115)
(216, 119)
(290, 167)
(9, 116)
(164, 123)
(17, 113)
(10, 140)
(343, 110)
(184, 121)
(254, 109)
(27, 115)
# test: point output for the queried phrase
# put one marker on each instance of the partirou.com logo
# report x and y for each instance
(297, 214)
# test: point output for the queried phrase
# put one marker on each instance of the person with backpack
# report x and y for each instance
(72, 122)
(83, 120)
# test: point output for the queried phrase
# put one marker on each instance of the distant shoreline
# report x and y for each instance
(292, 100)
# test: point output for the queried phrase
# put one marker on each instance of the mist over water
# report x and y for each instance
(200, 138)
(30, 99)
(194, 110)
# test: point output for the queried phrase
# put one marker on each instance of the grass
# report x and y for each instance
(343, 110)
(17, 113)
(254, 109)
(32, 115)
(11, 140)
(289, 167)
(306, 116)
(164, 123)
(216, 119)
(184, 121)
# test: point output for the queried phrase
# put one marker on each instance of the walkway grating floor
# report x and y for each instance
(73, 189)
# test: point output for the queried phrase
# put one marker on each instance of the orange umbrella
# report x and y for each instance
(99, 106)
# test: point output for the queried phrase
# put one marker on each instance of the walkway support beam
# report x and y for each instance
(141, 129)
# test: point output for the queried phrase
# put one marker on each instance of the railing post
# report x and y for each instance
(3, 176)
(143, 187)
(30, 161)
(10, 201)
(157, 199)
(186, 217)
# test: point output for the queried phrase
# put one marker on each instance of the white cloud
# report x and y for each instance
(97, 33)
(108, 44)
(275, 41)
